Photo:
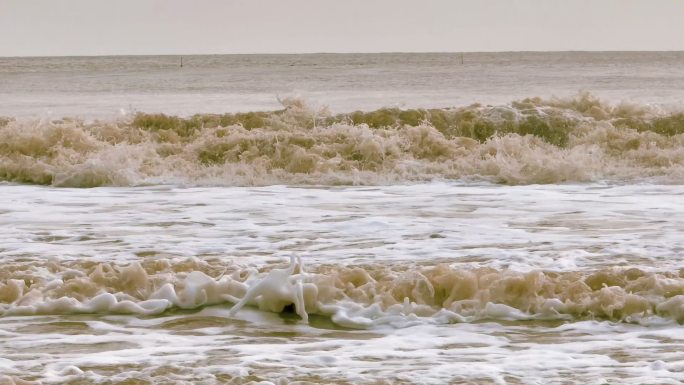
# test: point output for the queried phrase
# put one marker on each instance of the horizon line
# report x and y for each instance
(340, 53)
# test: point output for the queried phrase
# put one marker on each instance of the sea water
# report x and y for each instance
(433, 241)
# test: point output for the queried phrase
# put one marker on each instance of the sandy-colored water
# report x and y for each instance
(104, 87)
(479, 222)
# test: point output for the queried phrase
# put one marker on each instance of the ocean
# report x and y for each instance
(489, 218)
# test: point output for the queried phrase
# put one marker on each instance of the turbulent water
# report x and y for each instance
(404, 219)
(532, 141)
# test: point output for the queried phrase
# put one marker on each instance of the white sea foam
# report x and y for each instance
(380, 258)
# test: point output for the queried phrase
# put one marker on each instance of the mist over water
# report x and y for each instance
(394, 218)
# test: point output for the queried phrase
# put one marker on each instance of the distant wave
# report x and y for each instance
(528, 141)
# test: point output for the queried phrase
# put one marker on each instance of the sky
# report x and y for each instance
(118, 27)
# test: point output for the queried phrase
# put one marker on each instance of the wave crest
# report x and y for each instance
(354, 296)
(529, 141)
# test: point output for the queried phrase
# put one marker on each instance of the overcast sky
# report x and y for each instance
(99, 27)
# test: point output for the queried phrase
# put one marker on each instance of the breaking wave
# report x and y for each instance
(529, 141)
(352, 296)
